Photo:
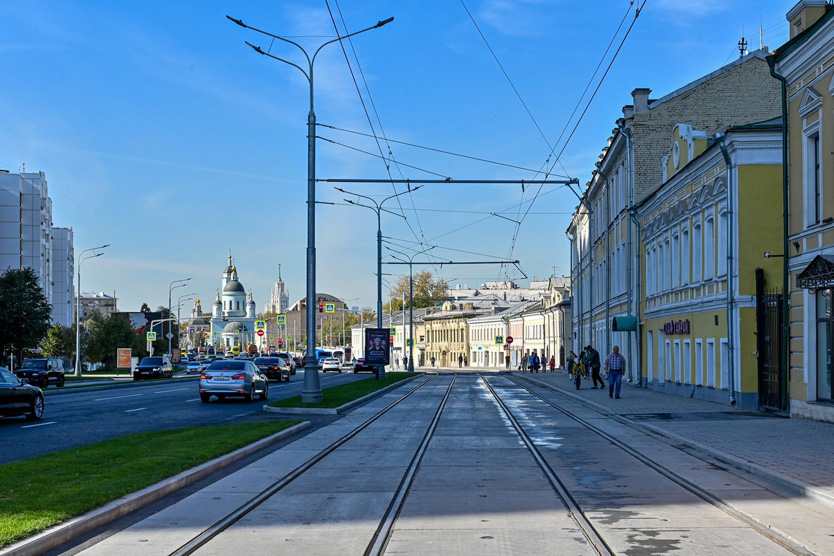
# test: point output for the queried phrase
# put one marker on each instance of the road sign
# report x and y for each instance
(393, 331)
(151, 336)
(409, 342)
(499, 340)
(260, 325)
(509, 339)
(281, 319)
(169, 335)
(260, 332)
(329, 307)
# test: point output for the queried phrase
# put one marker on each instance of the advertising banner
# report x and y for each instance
(123, 358)
(377, 347)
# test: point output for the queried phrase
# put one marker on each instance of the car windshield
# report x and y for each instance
(34, 364)
(267, 361)
(227, 366)
(151, 361)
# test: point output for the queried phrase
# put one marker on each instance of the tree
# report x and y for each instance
(428, 291)
(108, 335)
(145, 308)
(25, 312)
(59, 341)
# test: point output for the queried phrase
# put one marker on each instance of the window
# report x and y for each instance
(667, 263)
(649, 272)
(824, 336)
(812, 180)
(699, 363)
(722, 243)
(678, 370)
(685, 254)
(650, 354)
(709, 248)
(687, 362)
(667, 361)
(725, 364)
(711, 363)
(696, 250)
(675, 261)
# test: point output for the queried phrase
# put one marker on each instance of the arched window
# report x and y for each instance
(685, 253)
(238, 305)
(675, 261)
(696, 250)
(709, 248)
(723, 220)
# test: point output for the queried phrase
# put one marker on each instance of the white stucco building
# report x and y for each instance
(233, 313)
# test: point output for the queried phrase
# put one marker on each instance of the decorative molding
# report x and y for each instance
(811, 101)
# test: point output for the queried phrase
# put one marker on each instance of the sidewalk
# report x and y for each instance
(796, 453)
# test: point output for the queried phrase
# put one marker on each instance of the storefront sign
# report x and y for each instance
(676, 327)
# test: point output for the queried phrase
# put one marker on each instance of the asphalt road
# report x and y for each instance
(82, 417)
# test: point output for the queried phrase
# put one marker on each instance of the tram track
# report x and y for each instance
(785, 541)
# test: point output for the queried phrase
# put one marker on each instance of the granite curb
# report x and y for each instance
(335, 410)
(65, 532)
(785, 482)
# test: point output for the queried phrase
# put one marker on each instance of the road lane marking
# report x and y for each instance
(39, 425)
(174, 390)
(238, 415)
(138, 409)
(117, 397)
(194, 400)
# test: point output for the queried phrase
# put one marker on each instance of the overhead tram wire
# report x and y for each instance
(379, 156)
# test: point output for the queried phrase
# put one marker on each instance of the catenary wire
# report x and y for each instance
(331, 141)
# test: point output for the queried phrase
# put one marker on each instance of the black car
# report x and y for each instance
(19, 398)
(153, 367)
(41, 372)
(360, 365)
(289, 358)
(275, 368)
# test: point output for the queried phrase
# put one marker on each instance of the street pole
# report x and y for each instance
(179, 304)
(171, 286)
(410, 262)
(311, 392)
(78, 305)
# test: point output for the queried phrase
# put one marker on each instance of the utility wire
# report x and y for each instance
(382, 157)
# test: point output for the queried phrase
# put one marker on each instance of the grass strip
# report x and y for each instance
(40, 492)
(336, 396)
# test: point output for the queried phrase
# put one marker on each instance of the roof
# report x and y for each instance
(233, 326)
(795, 42)
(233, 286)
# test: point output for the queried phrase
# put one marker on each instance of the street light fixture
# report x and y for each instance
(311, 392)
(171, 286)
(81, 258)
(410, 300)
(180, 299)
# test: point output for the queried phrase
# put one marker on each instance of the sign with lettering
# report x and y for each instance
(676, 327)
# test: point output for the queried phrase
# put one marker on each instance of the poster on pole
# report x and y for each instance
(123, 358)
(377, 347)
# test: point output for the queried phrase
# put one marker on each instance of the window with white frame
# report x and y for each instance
(675, 260)
(812, 180)
(685, 253)
(696, 250)
(667, 262)
(649, 274)
(723, 220)
(709, 247)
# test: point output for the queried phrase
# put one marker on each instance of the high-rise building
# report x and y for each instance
(63, 270)
(279, 299)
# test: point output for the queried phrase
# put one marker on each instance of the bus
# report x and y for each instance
(322, 354)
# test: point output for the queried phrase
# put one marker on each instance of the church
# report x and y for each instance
(233, 314)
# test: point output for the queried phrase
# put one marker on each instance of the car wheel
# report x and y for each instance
(265, 395)
(205, 398)
(36, 409)
(60, 384)
(250, 397)
(136, 378)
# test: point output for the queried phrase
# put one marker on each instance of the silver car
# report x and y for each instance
(233, 378)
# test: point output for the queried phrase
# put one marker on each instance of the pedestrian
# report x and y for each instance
(460, 361)
(615, 365)
(571, 362)
(533, 363)
(465, 361)
(594, 363)
(405, 363)
(524, 361)
(432, 361)
(552, 363)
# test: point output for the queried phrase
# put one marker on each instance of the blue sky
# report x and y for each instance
(163, 134)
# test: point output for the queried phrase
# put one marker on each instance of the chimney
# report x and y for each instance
(641, 99)
(805, 14)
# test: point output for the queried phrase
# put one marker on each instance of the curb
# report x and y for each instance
(67, 531)
(113, 386)
(788, 483)
(332, 410)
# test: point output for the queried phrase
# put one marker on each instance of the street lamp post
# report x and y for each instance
(377, 208)
(311, 392)
(78, 304)
(171, 286)
(410, 300)
(184, 297)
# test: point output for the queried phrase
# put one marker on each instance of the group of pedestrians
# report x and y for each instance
(534, 364)
(589, 362)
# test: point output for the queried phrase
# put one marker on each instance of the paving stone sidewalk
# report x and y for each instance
(797, 452)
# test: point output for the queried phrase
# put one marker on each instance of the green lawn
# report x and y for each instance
(340, 395)
(40, 492)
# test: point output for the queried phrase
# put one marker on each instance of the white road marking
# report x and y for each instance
(236, 416)
(194, 400)
(39, 425)
(138, 409)
(118, 397)
(166, 391)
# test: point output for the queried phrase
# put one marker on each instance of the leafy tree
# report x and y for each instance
(25, 312)
(59, 341)
(145, 308)
(428, 291)
(107, 336)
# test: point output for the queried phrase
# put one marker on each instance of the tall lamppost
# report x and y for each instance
(180, 299)
(171, 286)
(81, 259)
(410, 300)
(311, 392)
(377, 208)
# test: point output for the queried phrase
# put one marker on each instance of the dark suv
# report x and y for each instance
(153, 367)
(41, 372)
(289, 358)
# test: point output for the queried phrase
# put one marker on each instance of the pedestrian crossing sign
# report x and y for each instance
(281, 319)
(499, 340)
(260, 325)
(151, 336)
(329, 307)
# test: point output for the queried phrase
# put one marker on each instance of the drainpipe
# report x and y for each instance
(607, 262)
(630, 184)
(771, 61)
(720, 139)
(632, 216)
(572, 286)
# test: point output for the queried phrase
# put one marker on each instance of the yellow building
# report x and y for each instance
(703, 237)
(805, 68)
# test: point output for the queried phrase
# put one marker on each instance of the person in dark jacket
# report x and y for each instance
(595, 364)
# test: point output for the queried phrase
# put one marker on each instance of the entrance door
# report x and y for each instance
(769, 346)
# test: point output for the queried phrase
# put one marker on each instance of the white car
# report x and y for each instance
(331, 364)
(194, 367)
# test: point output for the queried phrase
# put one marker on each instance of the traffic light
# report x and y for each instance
(321, 306)
(280, 342)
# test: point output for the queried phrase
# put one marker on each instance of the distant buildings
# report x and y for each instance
(28, 239)
(279, 299)
(100, 302)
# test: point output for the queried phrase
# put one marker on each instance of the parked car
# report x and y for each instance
(153, 367)
(360, 365)
(17, 397)
(299, 362)
(195, 367)
(233, 378)
(275, 368)
(331, 364)
(290, 359)
(40, 372)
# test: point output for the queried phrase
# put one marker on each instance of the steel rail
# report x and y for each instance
(590, 532)
(231, 518)
(785, 541)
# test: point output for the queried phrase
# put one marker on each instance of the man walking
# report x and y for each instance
(594, 364)
(460, 360)
(615, 367)
(534, 362)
